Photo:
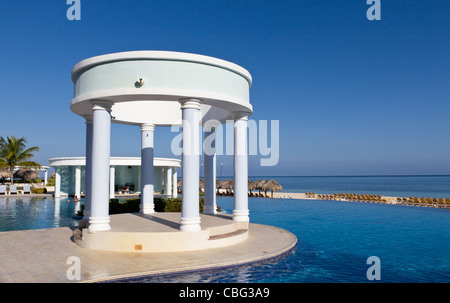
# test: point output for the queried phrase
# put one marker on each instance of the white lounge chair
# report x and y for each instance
(3, 189)
(26, 189)
(12, 189)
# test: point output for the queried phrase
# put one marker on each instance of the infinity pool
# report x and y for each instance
(335, 239)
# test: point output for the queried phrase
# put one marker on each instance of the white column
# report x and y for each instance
(77, 207)
(190, 215)
(168, 181)
(174, 183)
(57, 183)
(101, 140)
(45, 177)
(78, 182)
(147, 180)
(57, 210)
(88, 171)
(210, 173)
(240, 212)
(112, 181)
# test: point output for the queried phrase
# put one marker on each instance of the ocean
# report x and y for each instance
(392, 186)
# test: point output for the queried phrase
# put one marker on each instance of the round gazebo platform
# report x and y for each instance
(159, 232)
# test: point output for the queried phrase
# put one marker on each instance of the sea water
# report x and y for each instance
(392, 186)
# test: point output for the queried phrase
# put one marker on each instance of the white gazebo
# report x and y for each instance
(124, 176)
(152, 89)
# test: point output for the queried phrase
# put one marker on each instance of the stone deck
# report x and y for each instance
(40, 256)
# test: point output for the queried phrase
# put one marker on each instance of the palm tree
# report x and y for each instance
(13, 153)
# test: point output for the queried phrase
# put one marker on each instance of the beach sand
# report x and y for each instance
(292, 195)
(391, 200)
(380, 199)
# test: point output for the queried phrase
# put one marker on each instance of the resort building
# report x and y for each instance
(124, 176)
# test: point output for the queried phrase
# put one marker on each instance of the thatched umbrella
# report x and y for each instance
(251, 185)
(52, 175)
(4, 173)
(260, 184)
(272, 185)
(218, 185)
(26, 173)
(228, 185)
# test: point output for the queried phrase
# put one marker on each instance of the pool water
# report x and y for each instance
(335, 239)
(21, 213)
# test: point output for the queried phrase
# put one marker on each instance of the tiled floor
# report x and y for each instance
(42, 255)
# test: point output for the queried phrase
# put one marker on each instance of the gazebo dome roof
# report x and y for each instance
(145, 87)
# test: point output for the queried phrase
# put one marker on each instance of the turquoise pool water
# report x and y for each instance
(335, 239)
(20, 213)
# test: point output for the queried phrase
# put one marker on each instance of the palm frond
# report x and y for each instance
(13, 152)
(31, 164)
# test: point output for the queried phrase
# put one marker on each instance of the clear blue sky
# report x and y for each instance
(353, 96)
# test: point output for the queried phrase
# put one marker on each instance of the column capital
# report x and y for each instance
(102, 105)
(190, 103)
(148, 127)
(240, 115)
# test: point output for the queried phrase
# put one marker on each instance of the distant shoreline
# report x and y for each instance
(435, 202)
(338, 176)
(408, 201)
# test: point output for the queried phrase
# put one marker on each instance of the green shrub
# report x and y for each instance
(32, 181)
(50, 182)
(172, 204)
(117, 206)
(132, 205)
(35, 190)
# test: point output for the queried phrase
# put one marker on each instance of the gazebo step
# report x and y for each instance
(228, 235)
(159, 233)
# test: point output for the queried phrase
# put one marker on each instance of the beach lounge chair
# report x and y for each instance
(26, 189)
(3, 189)
(12, 189)
(447, 203)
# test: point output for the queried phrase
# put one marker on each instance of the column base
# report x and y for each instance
(209, 210)
(147, 209)
(99, 224)
(190, 224)
(241, 215)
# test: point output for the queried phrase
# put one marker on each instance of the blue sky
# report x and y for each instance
(353, 96)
